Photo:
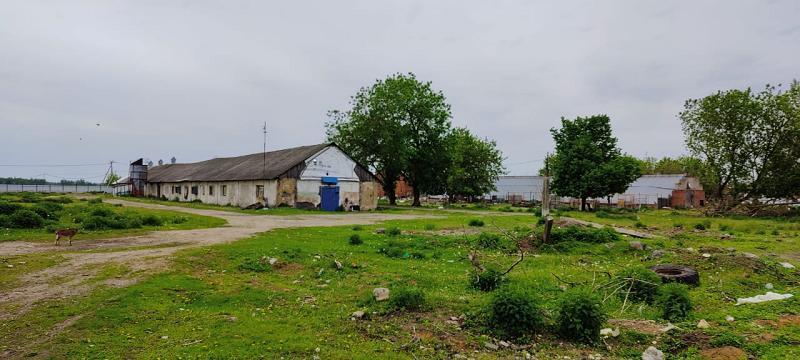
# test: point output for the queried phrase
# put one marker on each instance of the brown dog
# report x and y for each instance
(67, 233)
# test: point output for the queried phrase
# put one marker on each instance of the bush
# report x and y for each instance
(47, 210)
(640, 225)
(101, 212)
(489, 241)
(393, 231)
(95, 200)
(642, 282)
(699, 226)
(152, 220)
(430, 227)
(256, 264)
(584, 234)
(724, 227)
(487, 280)
(515, 313)
(476, 222)
(580, 316)
(357, 228)
(355, 239)
(5, 222)
(25, 219)
(58, 199)
(179, 220)
(8, 208)
(407, 298)
(673, 299)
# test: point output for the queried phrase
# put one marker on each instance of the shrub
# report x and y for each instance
(642, 282)
(724, 227)
(47, 210)
(101, 212)
(58, 199)
(5, 222)
(355, 239)
(407, 298)
(8, 208)
(430, 227)
(673, 299)
(179, 220)
(256, 264)
(25, 219)
(640, 225)
(699, 226)
(776, 232)
(489, 241)
(476, 222)
(515, 313)
(580, 316)
(487, 280)
(95, 200)
(394, 251)
(152, 220)
(357, 228)
(393, 231)
(677, 225)
(584, 234)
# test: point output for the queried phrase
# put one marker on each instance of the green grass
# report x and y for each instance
(72, 212)
(210, 306)
(279, 211)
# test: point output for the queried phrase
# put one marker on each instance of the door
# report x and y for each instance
(329, 198)
(260, 193)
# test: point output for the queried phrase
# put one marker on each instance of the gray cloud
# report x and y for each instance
(196, 79)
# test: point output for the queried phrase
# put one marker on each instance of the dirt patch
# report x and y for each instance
(74, 276)
(784, 320)
(724, 353)
(642, 326)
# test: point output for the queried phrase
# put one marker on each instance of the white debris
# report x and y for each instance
(787, 265)
(769, 286)
(273, 261)
(706, 255)
(703, 324)
(668, 327)
(769, 296)
(729, 318)
(652, 354)
(609, 332)
(380, 294)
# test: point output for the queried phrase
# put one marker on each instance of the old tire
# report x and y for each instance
(677, 273)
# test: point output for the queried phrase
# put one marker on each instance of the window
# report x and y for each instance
(194, 190)
(176, 189)
(211, 190)
(224, 190)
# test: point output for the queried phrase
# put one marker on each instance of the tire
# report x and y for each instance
(677, 273)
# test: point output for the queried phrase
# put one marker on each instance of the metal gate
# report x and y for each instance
(329, 198)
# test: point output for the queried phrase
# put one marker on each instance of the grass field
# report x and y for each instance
(225, 301)
(71, 212)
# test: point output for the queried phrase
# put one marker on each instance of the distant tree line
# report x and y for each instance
(401, 127)
(23, 181)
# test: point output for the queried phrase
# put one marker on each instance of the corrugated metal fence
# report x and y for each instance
(56, 188)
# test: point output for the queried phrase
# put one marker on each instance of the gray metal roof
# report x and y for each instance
(247, 167)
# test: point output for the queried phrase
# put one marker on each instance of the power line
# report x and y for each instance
(50, 165)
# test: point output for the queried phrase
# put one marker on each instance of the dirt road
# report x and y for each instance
(144, 254)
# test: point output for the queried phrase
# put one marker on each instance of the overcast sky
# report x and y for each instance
(196, 79)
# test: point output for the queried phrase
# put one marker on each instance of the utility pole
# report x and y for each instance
(548, 220)
(264, 195)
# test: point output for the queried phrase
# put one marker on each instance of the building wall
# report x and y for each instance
(368, 197)
(287, 192)
(238, 193)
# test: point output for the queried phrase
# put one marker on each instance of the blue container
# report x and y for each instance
(330, 180)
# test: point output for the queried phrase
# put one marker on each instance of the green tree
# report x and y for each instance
(398, 126)
(475, 164)
(749, 143)
(111, 178)
(587, 162)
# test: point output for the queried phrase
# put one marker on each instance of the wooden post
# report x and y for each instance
(548, 220)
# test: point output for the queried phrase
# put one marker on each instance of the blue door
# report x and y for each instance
(329, 198)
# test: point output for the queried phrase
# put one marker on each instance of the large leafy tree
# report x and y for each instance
(749, 143)
(587, 163)
(475, 164)
(398, 126)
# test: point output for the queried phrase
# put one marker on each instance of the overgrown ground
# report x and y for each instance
(93, 218)
(226, 300)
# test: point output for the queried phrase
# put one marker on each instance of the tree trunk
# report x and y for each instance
(388, 189)
(416, 197)
(392, 197)
(583, 204)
